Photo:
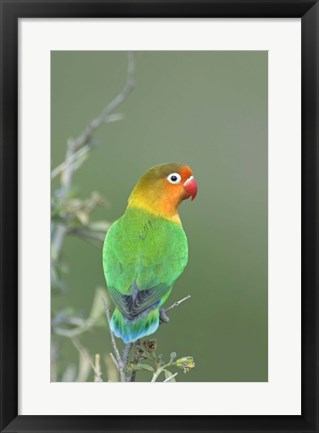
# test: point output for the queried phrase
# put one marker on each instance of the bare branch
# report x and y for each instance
(82, 142)
(118, 360)
(125, 359)
(114, 360)
(170, 378)
(112, 371)
(104, 116)
(97, 377)
(83, 150)
(176, 304)
(86, 355)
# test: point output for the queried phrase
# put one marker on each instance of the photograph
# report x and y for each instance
(159, 216)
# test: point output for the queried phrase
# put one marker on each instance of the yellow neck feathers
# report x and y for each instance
(155, 201)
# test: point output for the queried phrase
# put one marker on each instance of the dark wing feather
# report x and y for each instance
(139, 301)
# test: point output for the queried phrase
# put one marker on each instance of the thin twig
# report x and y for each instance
(125, 358)
(83, 150)
(176, 304)
(74, 145)
(171, 377)
(114, 361)
(97, 377)
(135, 361)
(86, 355)
(112, 371)
(77, 331)
(119, 362)
(108, 317)
(61, 167)
(108, 110)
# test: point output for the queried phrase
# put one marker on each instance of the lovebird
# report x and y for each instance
(146, 250)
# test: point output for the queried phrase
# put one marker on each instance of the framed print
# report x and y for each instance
(159, 214)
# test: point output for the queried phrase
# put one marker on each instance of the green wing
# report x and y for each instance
(143, 255)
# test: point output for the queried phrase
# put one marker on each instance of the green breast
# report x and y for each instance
(144, 249)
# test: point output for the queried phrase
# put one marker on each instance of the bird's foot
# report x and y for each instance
(163, 316)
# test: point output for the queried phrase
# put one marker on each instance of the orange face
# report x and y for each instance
(162, 188)
(180, 185)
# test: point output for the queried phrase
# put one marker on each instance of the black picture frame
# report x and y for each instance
(11, 11)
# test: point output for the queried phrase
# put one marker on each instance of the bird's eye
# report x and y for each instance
(174, 178)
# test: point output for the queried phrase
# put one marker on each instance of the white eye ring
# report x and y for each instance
(174, 178)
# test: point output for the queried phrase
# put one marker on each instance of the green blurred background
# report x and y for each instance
(207, 110)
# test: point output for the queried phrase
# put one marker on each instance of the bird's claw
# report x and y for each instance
(163, 316)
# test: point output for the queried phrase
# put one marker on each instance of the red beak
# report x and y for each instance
(190, 187)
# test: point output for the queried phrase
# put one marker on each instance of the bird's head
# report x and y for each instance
(162, 188)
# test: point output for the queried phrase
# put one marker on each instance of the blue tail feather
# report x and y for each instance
(131, 330)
